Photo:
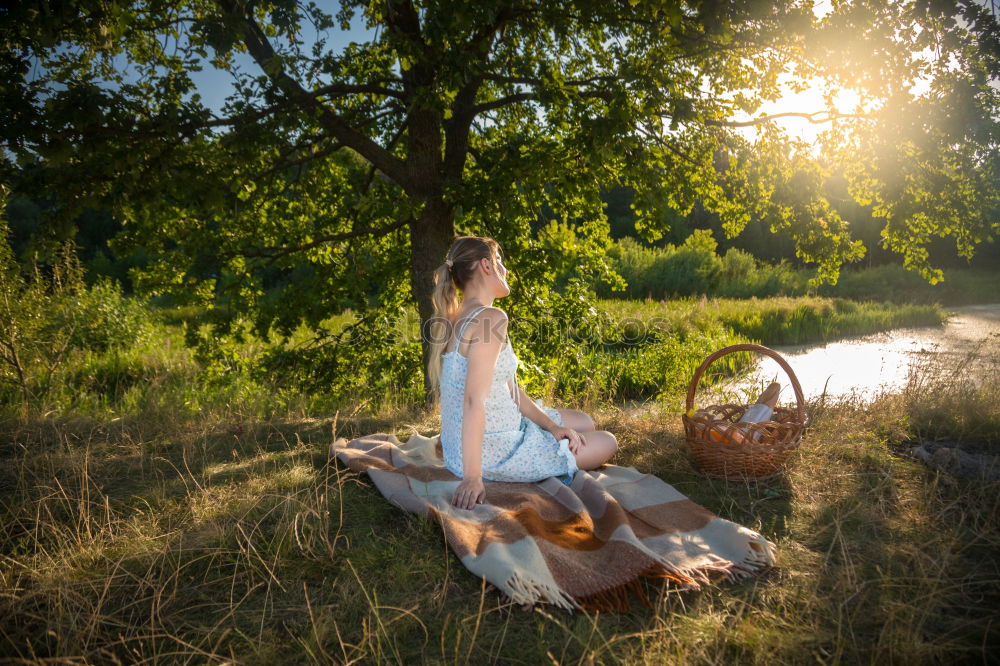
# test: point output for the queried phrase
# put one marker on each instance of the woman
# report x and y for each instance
(490, 428)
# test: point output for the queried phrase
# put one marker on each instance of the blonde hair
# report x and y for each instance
(449, 278)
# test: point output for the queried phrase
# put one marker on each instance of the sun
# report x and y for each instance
(818, 101)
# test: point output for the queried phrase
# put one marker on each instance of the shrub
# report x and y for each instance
(691, 269)
(109, 374)
(737, 268)
(48, 316)
(634, 263)
(100, 317)
(694, 269)
(894, 283)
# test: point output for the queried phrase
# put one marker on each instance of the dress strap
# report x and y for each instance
(465, 324)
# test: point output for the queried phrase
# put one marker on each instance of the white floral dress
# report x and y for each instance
(514, 447)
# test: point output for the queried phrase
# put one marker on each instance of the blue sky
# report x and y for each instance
(214, 85)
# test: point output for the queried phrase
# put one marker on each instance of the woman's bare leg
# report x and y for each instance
(577, 420)
(601, 445)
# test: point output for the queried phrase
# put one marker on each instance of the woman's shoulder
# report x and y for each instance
(492, 314)
(489, 320)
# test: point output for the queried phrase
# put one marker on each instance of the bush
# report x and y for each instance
(743, 276)
(634, 263)
(47, 317)
(694, 269)
(109, 374)
(737, 267)
(100, 317)
(691, 269)
(894, 283)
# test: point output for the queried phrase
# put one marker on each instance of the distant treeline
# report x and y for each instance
(758, 240)
(695, 267)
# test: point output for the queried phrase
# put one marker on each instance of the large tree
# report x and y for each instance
(349, 169)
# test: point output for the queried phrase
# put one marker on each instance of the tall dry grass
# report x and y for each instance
(227, 538)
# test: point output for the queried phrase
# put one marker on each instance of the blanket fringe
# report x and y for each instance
(523, 590)
(759, 556)
(616, 598)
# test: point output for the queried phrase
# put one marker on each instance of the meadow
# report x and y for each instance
(156, 510)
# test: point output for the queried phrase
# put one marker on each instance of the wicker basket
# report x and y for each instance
(765, 446)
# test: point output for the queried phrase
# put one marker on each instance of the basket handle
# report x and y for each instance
(760, 349)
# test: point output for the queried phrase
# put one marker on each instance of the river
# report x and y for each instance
(866, 366)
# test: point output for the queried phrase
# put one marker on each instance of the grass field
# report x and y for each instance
(161, 521)
(650, 349)
(778, 320)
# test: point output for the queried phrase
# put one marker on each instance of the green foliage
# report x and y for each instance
(665, 272)
(898, 285)
(100, 317)
(775, 321)
(693, 268)
(365, 366)
(335, 178)
(47, 317)
(109, 375)
(743, 276)
(794, 322)
(661, 364)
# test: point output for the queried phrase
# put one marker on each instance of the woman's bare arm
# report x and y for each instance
(487, 334)
(533, 412)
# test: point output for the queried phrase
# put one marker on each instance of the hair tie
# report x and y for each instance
(449, 263)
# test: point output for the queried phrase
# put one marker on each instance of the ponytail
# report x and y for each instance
(445, 300)
(449, 278)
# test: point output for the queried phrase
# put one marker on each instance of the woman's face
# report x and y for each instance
(503, 288)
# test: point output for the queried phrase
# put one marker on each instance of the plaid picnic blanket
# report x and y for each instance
(578, 546)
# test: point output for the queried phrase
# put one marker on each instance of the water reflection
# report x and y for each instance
(874, 363)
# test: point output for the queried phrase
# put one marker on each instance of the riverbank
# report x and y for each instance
(869, 365)
(668, 340)
(640, 350)
(219, 538)
(778, 320)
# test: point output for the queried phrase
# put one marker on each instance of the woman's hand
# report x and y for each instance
(469, 493)
(576, 440)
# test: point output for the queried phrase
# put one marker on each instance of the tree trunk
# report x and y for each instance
(431, 235)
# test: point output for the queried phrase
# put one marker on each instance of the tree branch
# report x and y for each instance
(263, 53)
(816, 117)
(155, 129)
(299, 161)
(464, 109)
(531, 81)
(274, 253)
(354, 89)
(673, 149)
(526, 97)
(503, 101)
(337, 89)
